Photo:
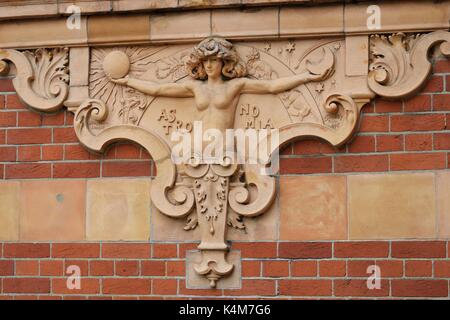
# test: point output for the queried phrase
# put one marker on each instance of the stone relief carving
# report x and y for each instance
(399, 62)
(42, 76)
(145, 94)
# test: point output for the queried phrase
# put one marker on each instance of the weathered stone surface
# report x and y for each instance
(443, 203)
(52, 210)
(391, 206)
(9, 210)
(313, 208)
(118, 209)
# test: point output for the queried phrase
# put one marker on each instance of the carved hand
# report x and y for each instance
(319, 77)
(122, 81)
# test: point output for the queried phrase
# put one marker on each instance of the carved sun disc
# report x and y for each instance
(116, 64)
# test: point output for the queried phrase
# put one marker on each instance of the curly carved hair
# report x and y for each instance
(215, 47)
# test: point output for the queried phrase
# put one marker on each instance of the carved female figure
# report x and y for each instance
(218, 81)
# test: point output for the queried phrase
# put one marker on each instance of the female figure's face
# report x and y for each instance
(213, 67)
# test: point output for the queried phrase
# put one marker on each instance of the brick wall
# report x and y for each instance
(410, 137)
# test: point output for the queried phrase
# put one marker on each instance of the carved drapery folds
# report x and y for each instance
(324, 103)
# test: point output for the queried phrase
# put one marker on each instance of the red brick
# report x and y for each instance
(359, 288)
(28, 171)
(101, 268)
(126, 169)
(127, 268)
(441, 102)
(372, 163)
(27, 267)
(418, 249)
(87, 286)
(64, 135)
(126, 286)
(418, 161)
(358, 268)
(368, 108)
(176, 268)
(286, 149)
(275, 268)
(305, 165)
(6, 267)
(390, 268)
(8, 119)
(13, 102)
(441, 66)
(256, 249)
(26, 250)
(8, 153)
(434, 84)
(305, 287)
(417, 122)
(29, 136)
(183, 247)
(164, 286)
(2, 136)
(164, 250)
(52, 152)
(251, 268)
(77, 250)
(2, 102)
(6, 85)
(153, 268)
(26, 285)
(418, 268)
(76, 170)
(77, 152)
(305, 250)
(52, 267)
(315, 146)
(369, 249)
(418, 103)
(362, 144)
(418, 142)
(389, 143)
(126, 250)
(82, 264)
(442, 269)
(303, 268)
(371, 123)
(332, 268)
(56, 119)
(388, 106)
(29, 153)
(254, 288)
(128, 151)
(29, 119)
(69, 118)
(419, 288)
(442, 141)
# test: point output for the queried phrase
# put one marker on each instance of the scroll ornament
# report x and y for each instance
(144, 94)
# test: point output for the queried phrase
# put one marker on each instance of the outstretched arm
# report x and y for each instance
(175, 90)
(279, 85)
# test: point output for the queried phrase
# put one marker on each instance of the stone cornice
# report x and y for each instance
(176, 27)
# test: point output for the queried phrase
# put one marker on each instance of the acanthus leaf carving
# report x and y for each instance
(400, 62)
(42, 76)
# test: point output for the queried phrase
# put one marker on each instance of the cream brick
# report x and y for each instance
(9, 211)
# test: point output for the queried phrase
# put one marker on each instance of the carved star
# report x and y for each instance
(319, 87)
(267, 47)
(337, 46)
(290, 47)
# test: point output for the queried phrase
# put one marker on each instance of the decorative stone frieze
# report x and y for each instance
(294, 88)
